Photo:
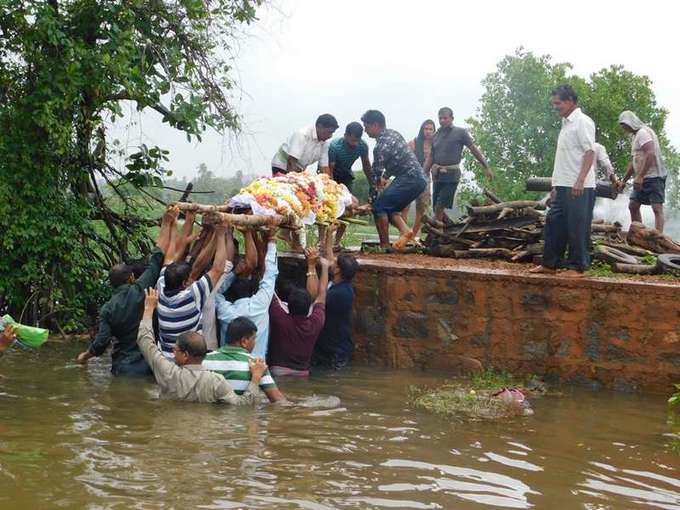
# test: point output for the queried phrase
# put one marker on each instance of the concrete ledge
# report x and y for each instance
(442, 314)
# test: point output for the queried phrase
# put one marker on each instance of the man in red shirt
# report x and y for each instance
(293, 333)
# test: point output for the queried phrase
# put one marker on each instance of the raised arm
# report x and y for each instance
(220, 259)
(167, 225)
(250, 260)
(163, 369)
(312, 257)
(185, 238)
(264, 294)
(323, 281)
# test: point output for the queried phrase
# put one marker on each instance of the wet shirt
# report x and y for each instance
(334, 346)
(190, 383)
(343, 157)
(119, 321)
(392, 157)
(644, 136)
(180, 311)
(231, 363)
(448, 144)
(577, 137)
(293, 336)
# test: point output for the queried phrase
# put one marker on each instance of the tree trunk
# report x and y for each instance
(634, 268)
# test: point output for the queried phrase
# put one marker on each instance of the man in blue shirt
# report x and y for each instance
(245, 298)
(334, 346)
(342, 154)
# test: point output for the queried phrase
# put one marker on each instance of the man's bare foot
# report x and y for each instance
(542, 270)
(571, 273)
(401, 243)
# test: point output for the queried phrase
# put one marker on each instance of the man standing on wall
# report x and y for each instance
(305, 147)
(649, 184)
(572, 197)
(444, 164)
(392, 158)
(342, 153)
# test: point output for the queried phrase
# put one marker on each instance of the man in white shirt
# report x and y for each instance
(604, 163)
(306, 147)
(649, 184)
(572, 199)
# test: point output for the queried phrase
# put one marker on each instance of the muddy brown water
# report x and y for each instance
(77, 438)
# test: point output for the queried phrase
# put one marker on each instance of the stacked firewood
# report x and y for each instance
(510, 231)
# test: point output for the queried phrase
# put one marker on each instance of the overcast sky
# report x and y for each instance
(307, 57)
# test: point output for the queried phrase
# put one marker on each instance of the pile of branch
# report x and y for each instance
(511, 231)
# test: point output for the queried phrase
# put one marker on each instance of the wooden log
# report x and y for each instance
(626, 248)
(496, 208)
(603, 189)
(491, 196)
(502, 253)
(480, 226)
(651, 239)
(200, 208)
(605, 227)
(619, 267)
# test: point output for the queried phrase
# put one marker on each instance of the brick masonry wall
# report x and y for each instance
(601, 333)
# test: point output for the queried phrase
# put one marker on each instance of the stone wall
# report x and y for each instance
(623, 335)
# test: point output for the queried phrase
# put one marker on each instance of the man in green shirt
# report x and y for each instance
(120, 316)
(342, 153)
(233, 360)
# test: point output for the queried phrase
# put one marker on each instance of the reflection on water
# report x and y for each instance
(73, 438)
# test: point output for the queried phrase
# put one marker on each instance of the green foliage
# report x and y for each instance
(517, 129)
(674, 400)
(66, 214)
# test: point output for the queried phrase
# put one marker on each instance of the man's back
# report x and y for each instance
(119, 322)
(179, 311)
(231, 362)
(294, 336)
(334, 346)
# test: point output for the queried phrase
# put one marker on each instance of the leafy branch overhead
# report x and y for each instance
(67, 68)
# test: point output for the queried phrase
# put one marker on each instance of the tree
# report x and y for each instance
(517, 128)
(66, 67)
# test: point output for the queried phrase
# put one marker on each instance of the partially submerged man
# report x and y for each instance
(305, 147)
(245, 297)
(342, 153)
(295, 330)
(233, 360)
(119, 317)
(334, 346)
(181, 300)
(444, 164)
(649, 184)
(572, 197)
(392, 158)
(186, 378)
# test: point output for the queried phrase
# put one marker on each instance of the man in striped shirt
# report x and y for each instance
(232, 360)
(180, 303)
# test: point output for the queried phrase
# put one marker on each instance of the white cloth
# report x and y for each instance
(602, 160)
(304, 146)
(577, 136)
(643, 135)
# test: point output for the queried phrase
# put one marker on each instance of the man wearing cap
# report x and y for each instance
(120, 316)
(305, 147)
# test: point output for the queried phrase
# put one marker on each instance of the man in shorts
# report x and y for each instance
(649, 184)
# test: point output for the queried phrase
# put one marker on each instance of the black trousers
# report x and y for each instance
(568, 225)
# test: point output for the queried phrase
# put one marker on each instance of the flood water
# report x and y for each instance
(76, 438)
